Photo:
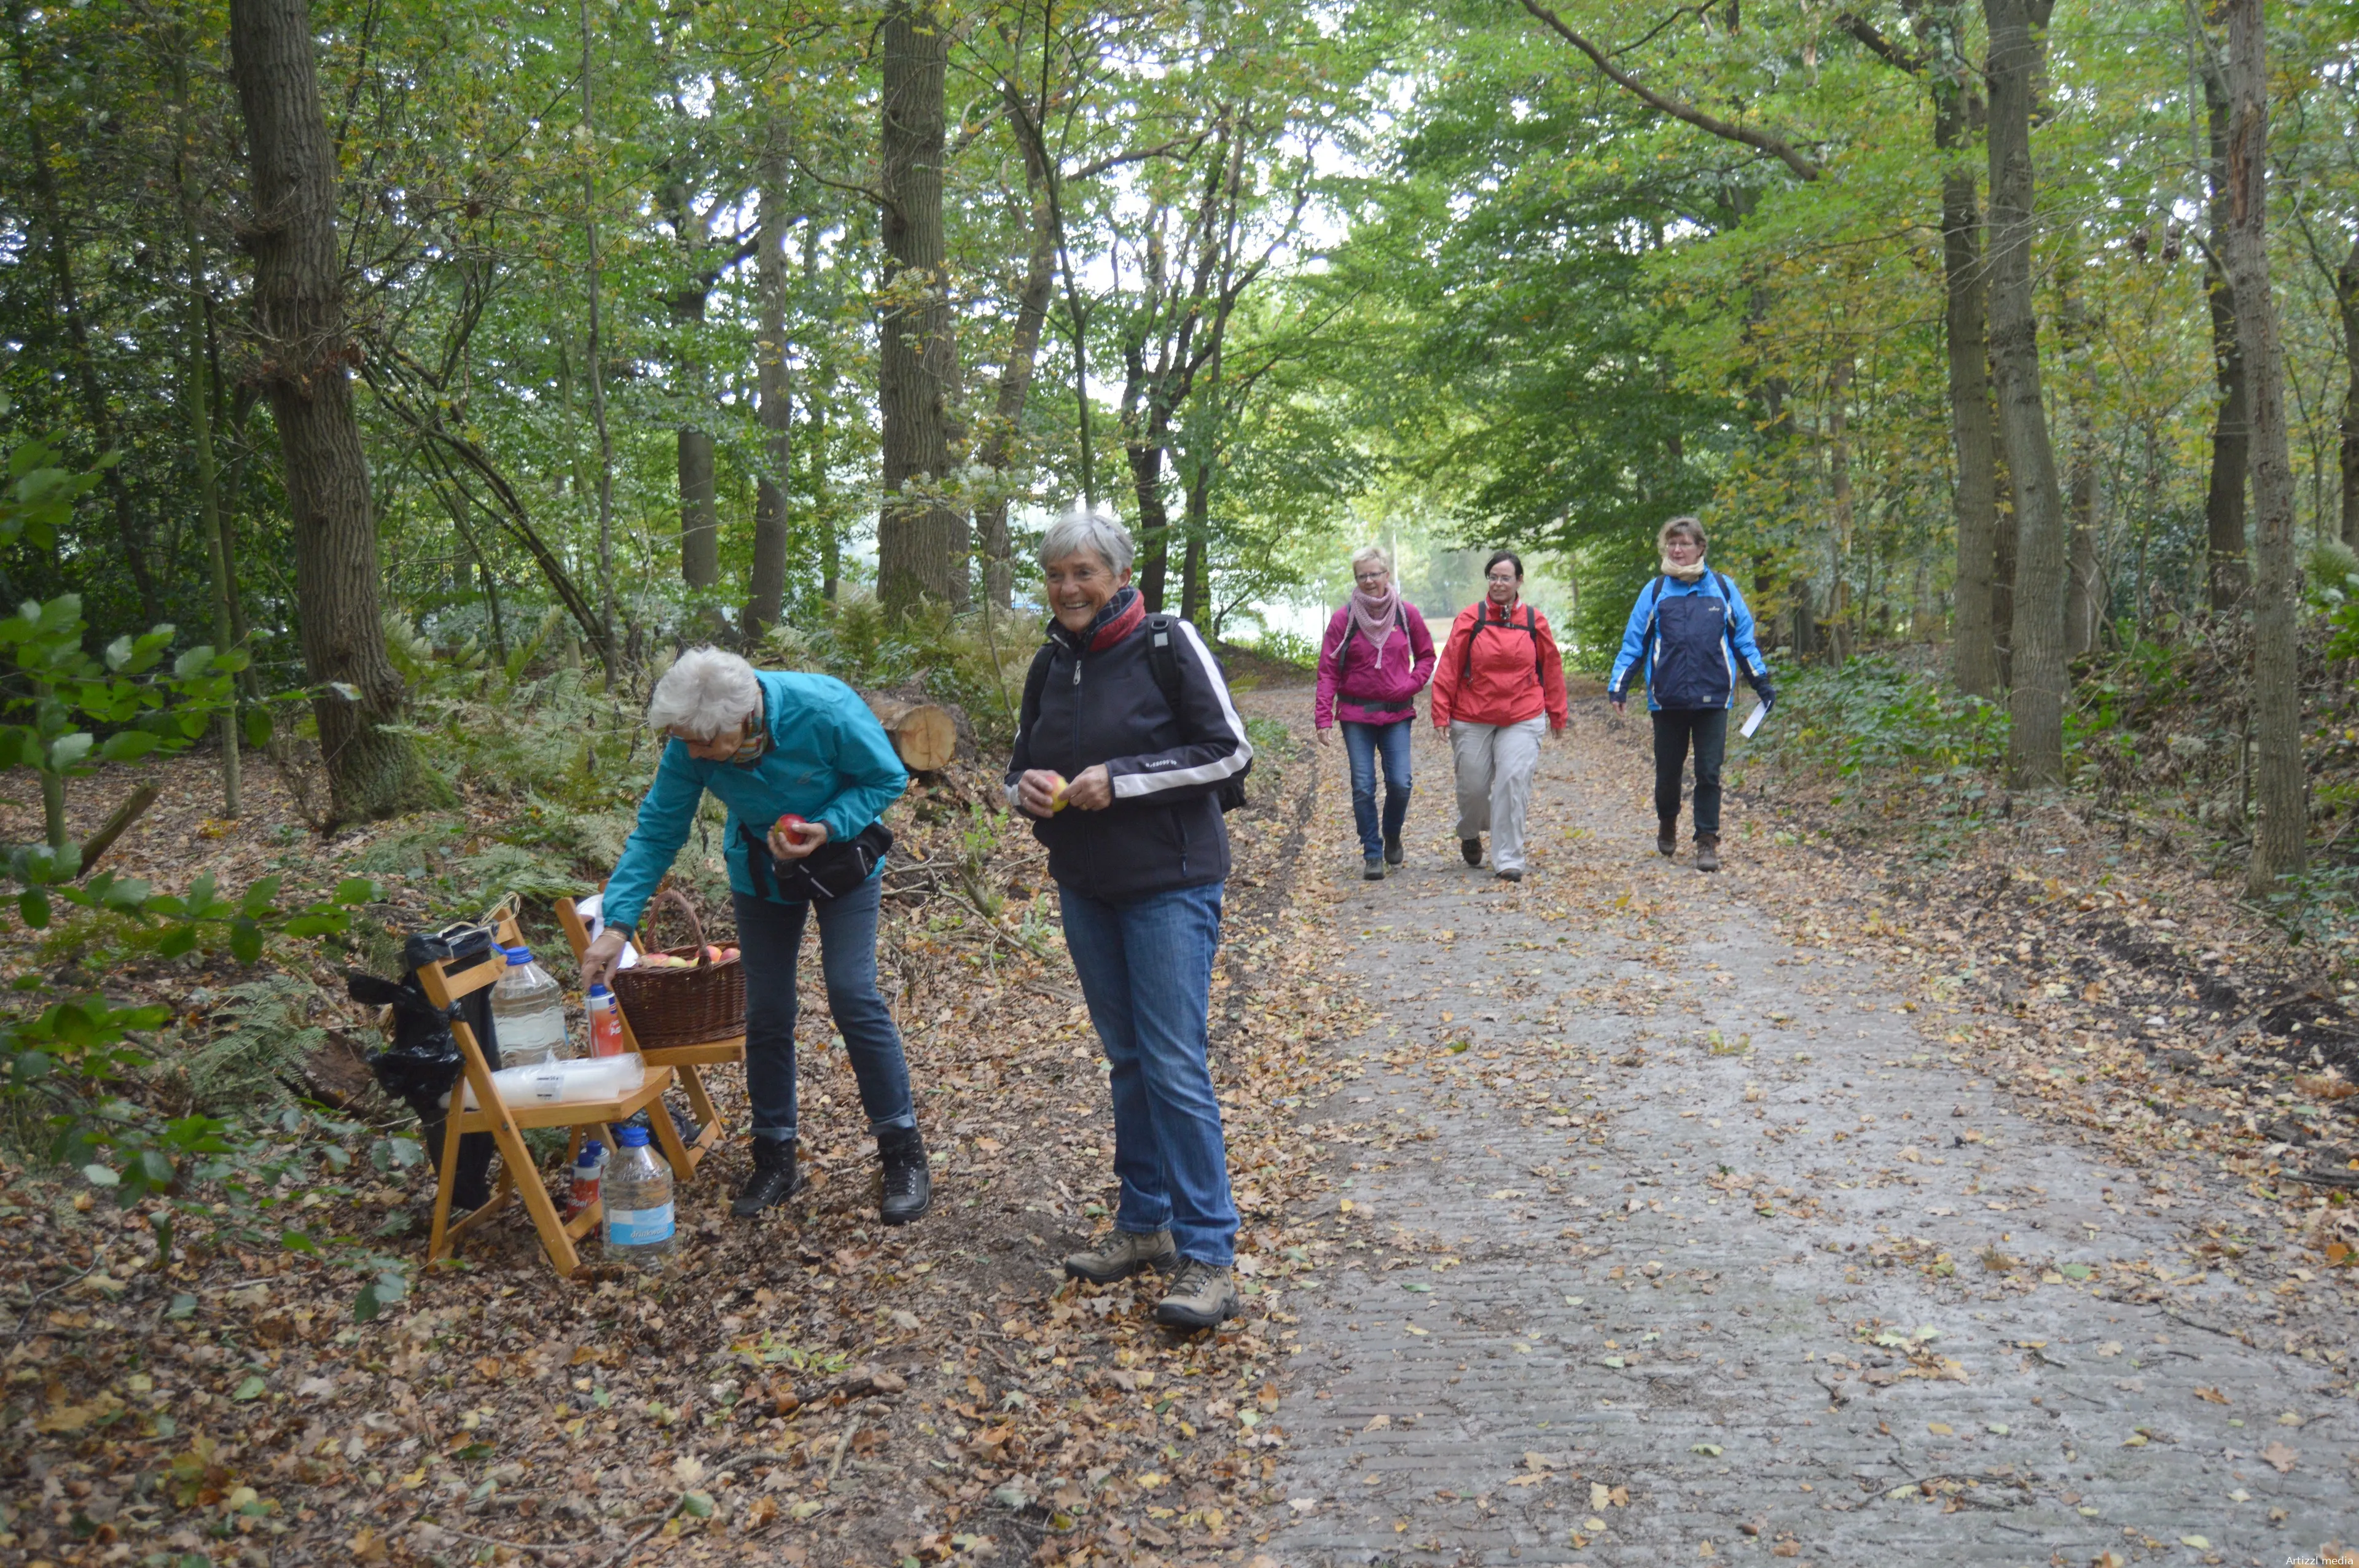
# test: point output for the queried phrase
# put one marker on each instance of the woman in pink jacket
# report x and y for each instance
(1376, 656)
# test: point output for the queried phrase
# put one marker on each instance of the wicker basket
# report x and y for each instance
(681, 1007)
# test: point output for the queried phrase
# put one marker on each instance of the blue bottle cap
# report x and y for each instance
(597, 992)
(591, 1149)
(518, 956)
(631, 1136)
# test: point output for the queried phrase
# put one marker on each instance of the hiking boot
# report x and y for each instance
(1372, 869)
(1201, 1296)
(1472, 849)
(1393, 852)
(1511, 874)
(909, 1181)
(774, 1180)
(1707, 851)
(1666, 839)
(1125, 1254)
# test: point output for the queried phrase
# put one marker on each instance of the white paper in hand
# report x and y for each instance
(1752, 721)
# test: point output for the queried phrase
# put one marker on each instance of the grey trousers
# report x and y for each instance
(1495, 763)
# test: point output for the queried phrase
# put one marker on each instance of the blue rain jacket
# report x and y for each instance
(828, 761)
(1686, 640)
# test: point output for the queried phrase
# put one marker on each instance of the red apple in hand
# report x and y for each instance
(794, 824)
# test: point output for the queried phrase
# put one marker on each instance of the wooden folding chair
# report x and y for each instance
(688, 1061)
(506, 1123)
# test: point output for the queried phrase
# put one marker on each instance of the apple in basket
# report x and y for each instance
(719, 954)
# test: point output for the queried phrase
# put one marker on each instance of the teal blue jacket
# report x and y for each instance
(828, 761)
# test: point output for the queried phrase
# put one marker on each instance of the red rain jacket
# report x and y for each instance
(1515, 673)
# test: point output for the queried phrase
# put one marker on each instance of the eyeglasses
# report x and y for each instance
(1502, 576)
(1370, 577)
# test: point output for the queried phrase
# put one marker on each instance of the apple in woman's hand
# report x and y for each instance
(1057, 798)
(794, 824)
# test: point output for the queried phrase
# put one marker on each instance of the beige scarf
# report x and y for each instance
(1691, 572)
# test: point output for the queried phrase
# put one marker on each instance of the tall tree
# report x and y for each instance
(306, 353)
(2224, 570)
(2036, 743)
(597, 355)
(921, 535)
(2346, 301)
(766, 594)
(2280, 837)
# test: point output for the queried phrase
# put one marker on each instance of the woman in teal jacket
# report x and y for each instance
(774, 747)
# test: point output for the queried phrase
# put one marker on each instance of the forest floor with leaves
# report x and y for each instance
(815, 1388)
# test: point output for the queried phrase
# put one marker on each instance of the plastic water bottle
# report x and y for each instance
(588, 1167)
(637, 1190)
(528, 1013)
(606, 1024)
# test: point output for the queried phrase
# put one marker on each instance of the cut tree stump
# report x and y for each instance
(925, 735)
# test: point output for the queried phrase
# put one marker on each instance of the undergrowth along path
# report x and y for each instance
(1664, 1239)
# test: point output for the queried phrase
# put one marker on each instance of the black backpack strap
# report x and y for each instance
(1532, 625)
(1163, 659)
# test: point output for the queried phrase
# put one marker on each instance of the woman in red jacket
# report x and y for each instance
(1377, 655)
(1499, 678)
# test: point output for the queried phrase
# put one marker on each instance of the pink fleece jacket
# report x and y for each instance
(1350, 678)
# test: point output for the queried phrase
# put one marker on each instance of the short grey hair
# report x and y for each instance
(1082, 529)
(705, 692)
(1367, 553)
(1677, 525)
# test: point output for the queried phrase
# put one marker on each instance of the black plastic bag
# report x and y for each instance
(422, 1065)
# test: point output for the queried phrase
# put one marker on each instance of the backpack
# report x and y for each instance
(1163, 663)
(1531, 625)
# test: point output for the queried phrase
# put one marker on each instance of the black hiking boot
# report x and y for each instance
(1394, 855)
(1472, 849)
(909, 1180)
(1666, 839)
(774, 1179)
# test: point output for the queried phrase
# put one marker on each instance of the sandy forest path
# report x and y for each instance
(1666, 1239)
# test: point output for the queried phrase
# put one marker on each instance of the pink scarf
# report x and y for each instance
(1374, 616)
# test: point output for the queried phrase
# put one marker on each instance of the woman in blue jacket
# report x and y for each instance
(1688, 633)
(772, 746)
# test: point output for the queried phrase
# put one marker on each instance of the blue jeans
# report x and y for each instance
(769, 940)
(1146, 971)
(1366, 743)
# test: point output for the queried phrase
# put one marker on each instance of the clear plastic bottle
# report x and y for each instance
(588, 1166)
(638, 1191)
(528, 1013)
(606, 1024)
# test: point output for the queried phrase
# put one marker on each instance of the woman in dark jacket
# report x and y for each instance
(1126, 737)
(1376, 657)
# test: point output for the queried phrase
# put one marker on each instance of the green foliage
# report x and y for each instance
(1286, 647)
(976, 660)
(267, 1034)
(1873, 716)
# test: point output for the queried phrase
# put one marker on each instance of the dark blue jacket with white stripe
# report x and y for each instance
(1686, 639)
(1102, 704)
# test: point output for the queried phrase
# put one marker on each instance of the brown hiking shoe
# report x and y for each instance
(1125, 1253)
(1200, 1297)
(1707, 851)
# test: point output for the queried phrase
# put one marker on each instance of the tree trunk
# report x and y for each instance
(2224, 500)
(1023, 355)
(2083, 593)
(921, 537)
(199, 395)
(1842, 614)
(1146, 459)
(305, 353)
(699, 513)
(2281, 837)
(2036, 744)
(2346, 297)
(596, 358)
(1957, 109)
(1195, 589)
(766, 589)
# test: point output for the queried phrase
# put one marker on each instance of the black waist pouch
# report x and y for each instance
(830, 872)
(422, 1065)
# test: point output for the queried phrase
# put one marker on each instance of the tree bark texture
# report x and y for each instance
(596, 357)
(774, 409)
(2036, 743)
(700, 511)
(306, 353)
(2225, 573)
(2084, 591)
(1957, 110)
(2346, 297)
(921, 537)
(2281, 837)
